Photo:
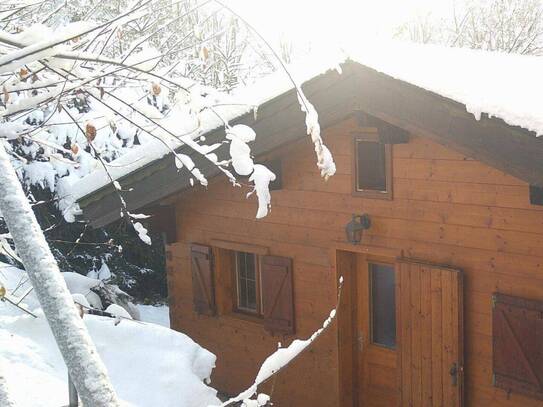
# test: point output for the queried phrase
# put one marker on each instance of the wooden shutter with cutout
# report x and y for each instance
(517, 335)
(202, 279)
(277, 296)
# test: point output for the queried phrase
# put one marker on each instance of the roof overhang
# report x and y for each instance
(510, 149)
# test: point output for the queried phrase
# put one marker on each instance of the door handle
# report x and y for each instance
(360, 341)
(453, 372)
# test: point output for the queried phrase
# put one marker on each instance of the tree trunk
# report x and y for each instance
(74, 342)
(5, 400)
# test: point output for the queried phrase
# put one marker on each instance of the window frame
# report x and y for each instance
(258, 312)
(370, 304)
(370, 193)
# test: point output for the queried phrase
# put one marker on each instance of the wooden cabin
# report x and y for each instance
(442, 301)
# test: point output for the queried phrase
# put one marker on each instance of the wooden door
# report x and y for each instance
(430, 333)
(376, 336)
(418, 361)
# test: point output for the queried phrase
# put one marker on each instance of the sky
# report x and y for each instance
(325, 20)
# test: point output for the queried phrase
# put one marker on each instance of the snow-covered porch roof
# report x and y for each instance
(484, 105)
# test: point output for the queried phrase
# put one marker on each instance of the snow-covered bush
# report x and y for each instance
(99, 294)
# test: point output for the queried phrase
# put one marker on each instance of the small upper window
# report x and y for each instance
(372, 168)
(536, 195)
(248, 283)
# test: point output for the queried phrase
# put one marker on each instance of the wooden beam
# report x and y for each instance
(240, 247)
(388, 134)
(163, 221)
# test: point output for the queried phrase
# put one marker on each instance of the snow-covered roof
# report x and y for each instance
(501, 85)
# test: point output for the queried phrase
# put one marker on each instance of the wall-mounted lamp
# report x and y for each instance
(356, 226)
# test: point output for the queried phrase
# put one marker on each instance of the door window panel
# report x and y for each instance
(383, 305)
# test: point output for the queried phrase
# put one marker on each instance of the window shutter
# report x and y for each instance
(277, 296)
(517, 326)
(202, 279)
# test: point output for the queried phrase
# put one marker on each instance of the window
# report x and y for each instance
(383, 305)
(243, 280)
(248, 283)
(536, 195)
(372, 167)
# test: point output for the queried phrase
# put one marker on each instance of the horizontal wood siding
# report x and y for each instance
(446, 208)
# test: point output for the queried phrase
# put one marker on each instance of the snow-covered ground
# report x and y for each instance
(157, 315)
(149, 364)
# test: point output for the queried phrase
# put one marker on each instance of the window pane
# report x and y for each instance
(371, 166)
(383, 305)
(251, 295)
(246, 276)
(242, 266)
(250, 261)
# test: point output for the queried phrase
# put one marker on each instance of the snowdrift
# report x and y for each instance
(149, 365)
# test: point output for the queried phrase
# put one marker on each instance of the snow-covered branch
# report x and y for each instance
(87, 75)
(279, 360)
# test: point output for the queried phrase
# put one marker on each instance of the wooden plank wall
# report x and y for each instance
(446, 208)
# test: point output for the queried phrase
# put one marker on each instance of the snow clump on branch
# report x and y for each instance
(325, 162)
(239, 135)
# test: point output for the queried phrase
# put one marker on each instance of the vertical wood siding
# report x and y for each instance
(431, 331)
(446, 209)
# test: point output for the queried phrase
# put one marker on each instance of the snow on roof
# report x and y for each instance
(502, 85)
(507, 86)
